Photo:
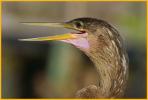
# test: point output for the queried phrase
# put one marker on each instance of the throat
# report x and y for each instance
(80, 43)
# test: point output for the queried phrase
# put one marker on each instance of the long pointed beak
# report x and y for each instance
(56, 37)
(44, 24)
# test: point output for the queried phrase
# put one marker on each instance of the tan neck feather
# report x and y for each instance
(110, 64)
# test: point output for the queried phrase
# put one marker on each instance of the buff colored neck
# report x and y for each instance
(109, 65)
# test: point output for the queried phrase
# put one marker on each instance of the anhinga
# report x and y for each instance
(103, 45)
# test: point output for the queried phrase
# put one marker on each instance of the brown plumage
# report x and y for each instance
(109, 58)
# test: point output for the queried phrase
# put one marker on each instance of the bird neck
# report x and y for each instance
(110, 62)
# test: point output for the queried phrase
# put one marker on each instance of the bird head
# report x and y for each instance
(82, 37)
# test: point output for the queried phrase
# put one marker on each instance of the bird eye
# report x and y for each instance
(78, 24)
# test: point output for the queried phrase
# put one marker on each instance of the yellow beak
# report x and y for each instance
(56, 37)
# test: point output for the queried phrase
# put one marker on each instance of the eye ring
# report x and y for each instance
(79, 24)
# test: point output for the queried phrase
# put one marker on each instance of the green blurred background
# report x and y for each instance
(57, 70)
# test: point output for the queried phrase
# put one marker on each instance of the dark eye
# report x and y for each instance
(79, 24)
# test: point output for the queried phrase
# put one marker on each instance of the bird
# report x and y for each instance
(103, 44)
